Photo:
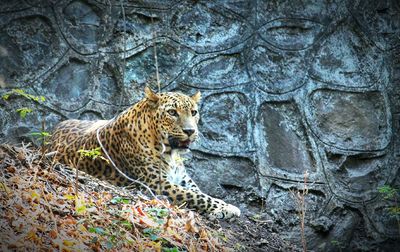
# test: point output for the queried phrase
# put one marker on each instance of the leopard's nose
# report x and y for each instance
(188, 132)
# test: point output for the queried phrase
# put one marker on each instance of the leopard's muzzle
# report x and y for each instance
(176, 143)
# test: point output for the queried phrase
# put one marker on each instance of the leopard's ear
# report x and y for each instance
(197, 97)
(151, 95)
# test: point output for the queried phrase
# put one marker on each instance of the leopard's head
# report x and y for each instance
(176, 117)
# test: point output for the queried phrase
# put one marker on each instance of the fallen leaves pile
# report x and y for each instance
(40, 211)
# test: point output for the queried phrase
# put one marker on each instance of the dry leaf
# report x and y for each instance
(203, 234)
(21, 156)
(11, 169)
(18, 224)
(140, 211)
(19, 208)
(4, 188)
(69, 220)
(15, 180)
(68, 243)
(31, 235)
(147, 222)
(34, 196)
(81, 228)
(168, 223)
(190, 224)
(53, 234)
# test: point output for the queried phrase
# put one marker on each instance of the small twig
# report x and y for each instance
(44, 138)
(303, 213)
(124, 56)
(299, 198)
(154, 34)
(76, 177)
(51, 154)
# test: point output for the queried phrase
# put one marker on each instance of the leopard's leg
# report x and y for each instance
(188, 183)
(194, 198)
(215, 208)
(177, 174)
(185, 181)
(150, 175)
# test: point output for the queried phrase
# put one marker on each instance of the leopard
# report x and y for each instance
(145, 143)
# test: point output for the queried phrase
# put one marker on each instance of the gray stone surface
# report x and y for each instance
(288, 87)
(343, 119)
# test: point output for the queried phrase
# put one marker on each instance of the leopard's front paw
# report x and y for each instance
(224, 211)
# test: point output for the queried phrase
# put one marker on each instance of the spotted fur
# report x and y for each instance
(145, 142)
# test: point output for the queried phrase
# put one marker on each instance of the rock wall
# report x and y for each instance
(289, 87)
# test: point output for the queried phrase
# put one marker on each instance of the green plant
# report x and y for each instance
(128, 225)
(41, 136)
(174, 249)
(239, 247)
(22, 93)
(24, 111)
(388, 192)
(337, 244)
(394, 210)
(158, 212)
(391, 194)
(152, 233)
(119, 199)
(93, 153)
(97, 230)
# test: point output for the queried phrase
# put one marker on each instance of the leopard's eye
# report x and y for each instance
(172, 112)
(194, 112)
